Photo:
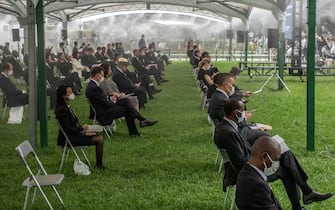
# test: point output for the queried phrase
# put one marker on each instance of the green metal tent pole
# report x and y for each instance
(41, 75)
(311, 75)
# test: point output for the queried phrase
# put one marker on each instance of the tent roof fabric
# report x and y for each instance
(68, 10)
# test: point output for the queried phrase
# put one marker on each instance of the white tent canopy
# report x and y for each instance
(68, 10)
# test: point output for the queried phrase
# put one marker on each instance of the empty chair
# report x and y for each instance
(41, 178)
(69, 146)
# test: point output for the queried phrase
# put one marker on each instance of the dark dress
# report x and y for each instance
(201, 76)
(69, 122)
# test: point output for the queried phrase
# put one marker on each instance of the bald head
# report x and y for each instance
(263, 147)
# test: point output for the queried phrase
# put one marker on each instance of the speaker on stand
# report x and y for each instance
(240, 36)
(16, 37)
(273, 38)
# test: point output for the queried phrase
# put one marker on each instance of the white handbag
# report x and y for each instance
(80, 168)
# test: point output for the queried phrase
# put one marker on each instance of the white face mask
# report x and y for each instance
(232, 91)
(102, 79)
(10, 73)
(274, 167)
(242, 117)
(71, 97)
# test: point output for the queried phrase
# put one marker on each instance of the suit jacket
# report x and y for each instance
(14, 96)
(228, 138)
(65, 68)
(88, 60)
(69, 123)
(124, 83)
(216, 105)
(253, 192)
(139, 66)
(99, 101)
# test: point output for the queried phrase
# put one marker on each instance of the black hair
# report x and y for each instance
(96, 70)
(5, 66)
(235, 70)
(205, 55)
(232, 105)
(61, 92)
(105, 67)
(221, 78)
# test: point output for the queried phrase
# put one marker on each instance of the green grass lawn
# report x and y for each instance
(172, 165)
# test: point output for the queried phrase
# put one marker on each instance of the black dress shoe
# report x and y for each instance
(315, 196)
(135, 135)
(101, 167)
(145, 123)
(157, 91)
(164, 80)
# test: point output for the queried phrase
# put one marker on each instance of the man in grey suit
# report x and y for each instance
(227, 136)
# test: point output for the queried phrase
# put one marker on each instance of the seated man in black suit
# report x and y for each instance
(252, 190)
(225, 88)
(228, 136)
(15, 97)
(108, 110)
(125, 84)
(65, 68)
(145, 66)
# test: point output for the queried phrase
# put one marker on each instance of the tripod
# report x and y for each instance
(267, 81)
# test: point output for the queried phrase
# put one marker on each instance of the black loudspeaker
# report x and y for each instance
(240, 36)
(64, 34)
(230, 34)
(16, 34)
(273, 38)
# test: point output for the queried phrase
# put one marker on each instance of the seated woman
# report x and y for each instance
(76, 132)
(206, 76)
(109, 87)
(77, 66)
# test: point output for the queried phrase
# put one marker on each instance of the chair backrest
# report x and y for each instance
(203, 87)
(225, 156)
(67, 140)
(92, 111)
(4, 98)
(23, 150)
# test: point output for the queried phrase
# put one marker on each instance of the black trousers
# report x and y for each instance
(292, 176)
(123, 108)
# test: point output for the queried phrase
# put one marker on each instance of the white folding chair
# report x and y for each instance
(73, 148)
(225, 159)
(107, 128)
(4, 105)
(39, 180)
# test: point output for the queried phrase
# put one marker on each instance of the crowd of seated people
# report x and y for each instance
(233, 134)
(113, 92)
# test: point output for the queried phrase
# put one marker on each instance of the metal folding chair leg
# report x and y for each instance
(232, 201)
(88, 162)
(217, 157)
(106, 132)
(220, 167)
(4, 112)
